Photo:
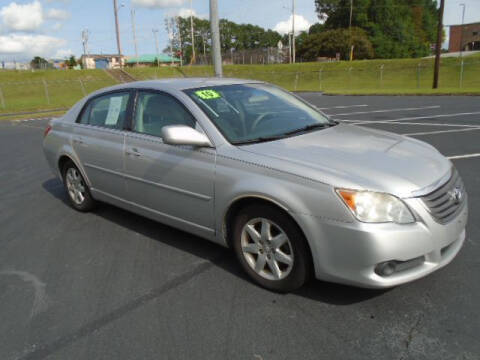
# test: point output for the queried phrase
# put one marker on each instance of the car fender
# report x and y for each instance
(67, 150)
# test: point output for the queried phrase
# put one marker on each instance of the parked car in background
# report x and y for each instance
(250, 166)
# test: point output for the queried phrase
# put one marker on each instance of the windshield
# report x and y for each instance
(249, 113)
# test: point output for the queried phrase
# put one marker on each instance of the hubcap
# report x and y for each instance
(75, 186)
(267, 249)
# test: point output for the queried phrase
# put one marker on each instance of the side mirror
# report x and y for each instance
(184, 135)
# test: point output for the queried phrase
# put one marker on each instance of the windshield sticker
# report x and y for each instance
(208, 94)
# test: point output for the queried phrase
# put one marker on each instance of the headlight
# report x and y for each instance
(373, 207)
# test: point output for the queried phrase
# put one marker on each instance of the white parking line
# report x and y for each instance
(342, 107)
(415, 123)
(441, 131)
(388, 110)
(411, 118)
(463, 156)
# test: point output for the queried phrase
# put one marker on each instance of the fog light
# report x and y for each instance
(386, 268)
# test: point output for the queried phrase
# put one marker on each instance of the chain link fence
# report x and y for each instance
(387, 77)
(44, 94)
(362, 78)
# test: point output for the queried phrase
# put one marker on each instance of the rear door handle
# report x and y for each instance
(133, 152)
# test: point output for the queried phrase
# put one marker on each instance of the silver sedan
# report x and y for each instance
(250, 166)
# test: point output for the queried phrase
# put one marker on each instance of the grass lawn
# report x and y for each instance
(25, 90)
(400, 76)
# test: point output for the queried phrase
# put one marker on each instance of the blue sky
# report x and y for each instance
(52, 28)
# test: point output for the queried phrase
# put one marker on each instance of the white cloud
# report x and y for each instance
(27, 17)
(185, 13)
(27, 46)
(57, 14)
(57, 26)
(63, 54)
(158, 3)
(301, 24)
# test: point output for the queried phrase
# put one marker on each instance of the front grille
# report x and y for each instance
(446, 201)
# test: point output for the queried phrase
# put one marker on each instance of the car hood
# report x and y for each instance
(356, 157)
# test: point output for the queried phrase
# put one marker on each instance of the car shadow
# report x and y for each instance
(220, 256)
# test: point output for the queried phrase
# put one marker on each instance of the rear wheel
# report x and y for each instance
(271, 248)
(76, 188)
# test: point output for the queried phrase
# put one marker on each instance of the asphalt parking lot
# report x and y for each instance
(113, 285)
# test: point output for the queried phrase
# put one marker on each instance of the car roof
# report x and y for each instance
(180, 83)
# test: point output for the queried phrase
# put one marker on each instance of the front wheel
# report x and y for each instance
(76, 188)
(271, 248)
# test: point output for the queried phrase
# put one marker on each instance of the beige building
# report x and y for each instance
(102, 61)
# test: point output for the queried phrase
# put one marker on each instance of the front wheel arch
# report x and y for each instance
(241, 203)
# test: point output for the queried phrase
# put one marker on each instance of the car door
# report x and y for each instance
(98, 140)
(176, 183)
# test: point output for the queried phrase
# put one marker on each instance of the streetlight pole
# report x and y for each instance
(155, 32)
(214, 29)
(461, 30)
(438, 45)
(293, 31)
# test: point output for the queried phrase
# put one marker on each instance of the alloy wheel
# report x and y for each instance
(267, 249)
(75, 186)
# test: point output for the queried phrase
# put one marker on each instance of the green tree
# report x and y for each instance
(71, 62)
(331, 42)
(316, 28)
(39, 63)
(396, 28)
(232, 35)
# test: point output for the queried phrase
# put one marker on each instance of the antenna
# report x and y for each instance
(85, 34)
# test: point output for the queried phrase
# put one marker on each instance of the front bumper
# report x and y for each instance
(349, 252)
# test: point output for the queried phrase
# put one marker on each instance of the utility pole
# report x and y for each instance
(290, 48)
(155, 32)
(438, 45)
(170, 37)
(461, 33)
(117, 29)
(192, 60)
(132, 13)
(350, 30)
(293, 31)
(180, 40)
(214, 29)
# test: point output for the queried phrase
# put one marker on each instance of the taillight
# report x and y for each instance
(47, 130)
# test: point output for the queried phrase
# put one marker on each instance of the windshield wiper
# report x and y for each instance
(259, 139)
(310, 127)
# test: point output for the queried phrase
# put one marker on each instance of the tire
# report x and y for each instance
(291, 255)
(76, 188)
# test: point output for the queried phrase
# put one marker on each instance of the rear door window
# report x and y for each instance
(107, 111)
